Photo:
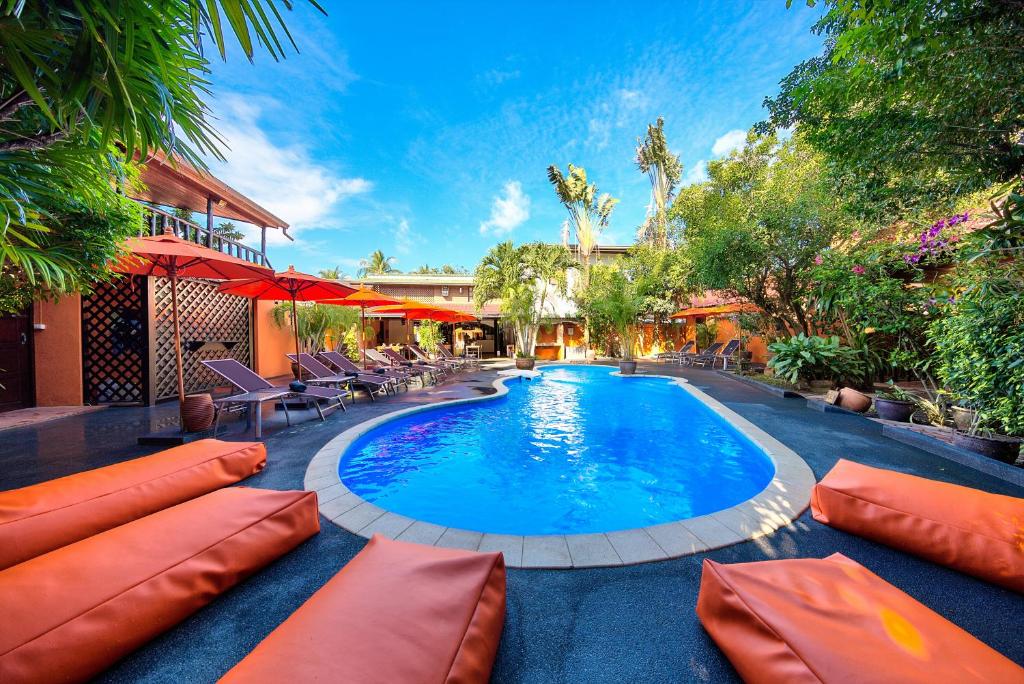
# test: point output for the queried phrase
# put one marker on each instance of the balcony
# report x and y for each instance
(158, 222)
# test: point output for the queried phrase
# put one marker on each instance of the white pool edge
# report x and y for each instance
(778, 505)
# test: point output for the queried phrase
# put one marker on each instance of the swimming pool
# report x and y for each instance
(578, 450)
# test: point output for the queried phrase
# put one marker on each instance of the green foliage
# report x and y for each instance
(803, 358)
(706, 334)
(588, 211)
(612, 305)
(523, 278)
(979, 345)
(376, 264)
(664, 170)
(228, 231)
(315, 322)
(428, 334)
(755, 226)
(333, 273)
(659, 276)
(85, 88)
(894, 392)
(446, 269)
(913, 101)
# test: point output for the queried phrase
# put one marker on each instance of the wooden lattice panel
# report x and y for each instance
(213, 326)
(114, 339)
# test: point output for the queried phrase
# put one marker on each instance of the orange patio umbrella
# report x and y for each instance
(365, 297)
(739, 307)
(289, 285)
(173, 258)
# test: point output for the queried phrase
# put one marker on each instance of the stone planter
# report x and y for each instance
(197, 412)
(627, 367)
(898, 411)
(963, 418)
(1005, 449)
(852, 400)
(525, 363)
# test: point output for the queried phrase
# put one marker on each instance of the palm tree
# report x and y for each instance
(588, 211)
(664, 170)
(334, 273)
(376, 264)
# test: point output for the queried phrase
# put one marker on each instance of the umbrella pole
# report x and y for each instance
(177, 344)
(295, 327)
(362, 335)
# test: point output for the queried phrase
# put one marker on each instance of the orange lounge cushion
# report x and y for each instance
(833, 620)
(975, 532)
(70, 613)
(398, 612)
(49, 515)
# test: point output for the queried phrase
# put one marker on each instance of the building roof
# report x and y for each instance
(175, 183)
(415, 279)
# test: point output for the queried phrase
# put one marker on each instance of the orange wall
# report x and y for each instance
(271, 343)
(58, 352)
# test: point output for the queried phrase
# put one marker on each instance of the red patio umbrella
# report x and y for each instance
(289, 285)
(364, 297)
(172, 257)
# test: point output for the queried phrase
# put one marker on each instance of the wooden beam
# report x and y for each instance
(263, 245)
(209, 221)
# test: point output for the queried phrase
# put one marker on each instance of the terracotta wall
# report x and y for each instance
(270, 343)
(58, 352)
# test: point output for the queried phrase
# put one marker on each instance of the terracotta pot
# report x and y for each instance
(627, 367)
(295, 370)
(963, 418)
(1005, 449)
(197, 412)
(852, 400)
(899, 411)
(525, 364)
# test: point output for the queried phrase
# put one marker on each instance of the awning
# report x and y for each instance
(739, 307)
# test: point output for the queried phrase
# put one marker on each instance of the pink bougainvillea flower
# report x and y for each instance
(819, 260)
(858, 269)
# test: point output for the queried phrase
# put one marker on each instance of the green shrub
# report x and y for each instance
(815, 358)
(706, 334)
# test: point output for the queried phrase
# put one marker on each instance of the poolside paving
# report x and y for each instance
(613, 624)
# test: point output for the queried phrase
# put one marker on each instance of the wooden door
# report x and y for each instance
(16, 369)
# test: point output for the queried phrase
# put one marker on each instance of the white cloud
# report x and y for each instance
(405, 238)
(498, 76)
(733, 140)
(508, 212)
(283, 178)
(698, 173)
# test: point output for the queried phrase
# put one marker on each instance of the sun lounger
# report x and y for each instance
(446, 353)
(256, 390)
(969, 530)
(444, 365)
(71, 613)
(398, 612)
(677, 355)
(38, 519)
(705, 357)
(832, 620)
(345, 365)
(727, 354)
(322, 374)
(400, 360)
(392, 359)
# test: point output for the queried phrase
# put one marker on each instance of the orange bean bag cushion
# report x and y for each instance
(832, 620)
(398, 612)
(47, 516)
(975, 532)
(70, 613)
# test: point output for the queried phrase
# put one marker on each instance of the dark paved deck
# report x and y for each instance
(632, 624)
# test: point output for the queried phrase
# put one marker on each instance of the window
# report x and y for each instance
(444, 290)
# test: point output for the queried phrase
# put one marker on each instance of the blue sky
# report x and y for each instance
(425, 129)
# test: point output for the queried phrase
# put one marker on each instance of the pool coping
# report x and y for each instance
(778, 505)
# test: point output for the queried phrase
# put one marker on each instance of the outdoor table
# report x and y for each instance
(254, 400)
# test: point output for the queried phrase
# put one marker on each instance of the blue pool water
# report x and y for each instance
(576, 451)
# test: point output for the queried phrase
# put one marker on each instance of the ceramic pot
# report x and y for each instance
(852, 400)
(963, 418)
(1005, 449)
(898, 411)
(627, 367)
(197, 412)
(525, 364)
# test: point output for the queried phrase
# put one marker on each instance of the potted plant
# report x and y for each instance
(981, 439)
(315, 322)
(852, 400)
(524, 362)
(615, 301)
(816, 361)
(895, 403)
(963, 417)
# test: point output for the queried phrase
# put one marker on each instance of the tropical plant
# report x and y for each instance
(524, 279)
(85, 89)
(806, 358)
(588, 211)
(613, 301)
(333, 273)
(664, 170)
(894, 392)
(315, 323)
(705, 334)
(228, 231)
(376, 264)
(754, 228)
(428, 336)
(913, 101)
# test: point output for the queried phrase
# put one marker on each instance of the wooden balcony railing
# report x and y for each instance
(157, 222)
